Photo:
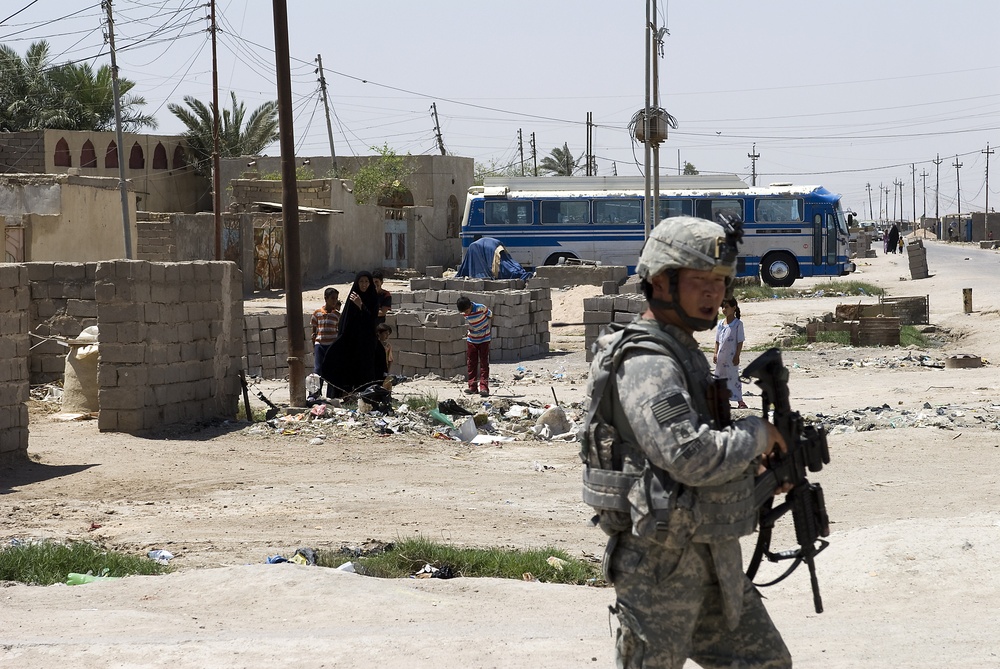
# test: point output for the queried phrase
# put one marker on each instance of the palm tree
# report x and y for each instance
(34, 94)
(560, 162)
(235, 139)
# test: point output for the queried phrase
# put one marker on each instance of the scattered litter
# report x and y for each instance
(89, 577)
(558, 563)
(348, 567)
(160, 556)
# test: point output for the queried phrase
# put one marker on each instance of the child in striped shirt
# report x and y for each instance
(325, 325)
(477, 351)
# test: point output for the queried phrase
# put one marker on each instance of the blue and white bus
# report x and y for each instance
(789, 231)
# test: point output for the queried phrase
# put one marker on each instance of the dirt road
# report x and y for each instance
(909, 579)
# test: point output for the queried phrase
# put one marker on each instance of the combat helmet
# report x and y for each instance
(693, 243)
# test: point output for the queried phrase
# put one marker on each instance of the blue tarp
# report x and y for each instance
(486, 258)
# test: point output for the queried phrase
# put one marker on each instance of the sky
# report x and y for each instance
(858, 96)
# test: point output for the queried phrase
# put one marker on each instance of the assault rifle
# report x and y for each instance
(807, 450)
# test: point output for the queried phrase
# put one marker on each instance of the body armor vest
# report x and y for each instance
(624, 488)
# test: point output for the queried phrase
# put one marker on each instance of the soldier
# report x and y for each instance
(671, 483)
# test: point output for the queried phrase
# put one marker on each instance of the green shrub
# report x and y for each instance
(48, 562)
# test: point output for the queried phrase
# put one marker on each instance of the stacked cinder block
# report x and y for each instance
(600, 311)
(266, 352)
(14, 304)
(156, 238)
(428, 332)
(916, 254)
(171, 339)
(62, 305)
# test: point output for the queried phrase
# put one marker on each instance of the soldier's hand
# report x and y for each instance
(776, 448)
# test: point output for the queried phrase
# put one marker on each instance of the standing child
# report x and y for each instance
(477, 351)
(382, 331)
(384, 296)
(728, 346)
(325, 324)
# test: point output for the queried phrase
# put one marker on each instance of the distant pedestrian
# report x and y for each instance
(729, 337)
(901, 244)
(325, 324)
(893, 238)
(477, 351)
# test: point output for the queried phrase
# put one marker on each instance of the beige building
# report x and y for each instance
(155, 165)
(63, 218)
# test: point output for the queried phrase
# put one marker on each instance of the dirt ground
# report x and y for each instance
(909, 580)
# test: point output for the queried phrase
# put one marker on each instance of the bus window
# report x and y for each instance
(503, 212)
(565, 212)
(617, 211)
(671, 208)
(778, 209)
(712, 209)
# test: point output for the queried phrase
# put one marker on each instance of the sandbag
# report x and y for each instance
(80, 374)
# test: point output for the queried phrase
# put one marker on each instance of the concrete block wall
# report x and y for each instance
(62, 304)
(600, 311)
(23, 152)
(265, 352)
(15, 301)
(428, 332)
(311, 192)
(156, 237)
(171, 341)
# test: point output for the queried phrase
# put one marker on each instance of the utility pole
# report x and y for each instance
(646, 127)
(590, 147)
(923, 175)
(937, 187)
(216, 176)
(753, 167)
(614, 168)
(520, 149)
(913, 188)
(885, 189)
(122, 184)
(326, 106)
(534, 155)
(871, 214)
(896, 184)
(437, 128)
(958, 185)
(289, 210)
(986, 209)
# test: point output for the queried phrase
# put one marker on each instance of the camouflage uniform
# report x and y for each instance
(674, 491)
(684, 597)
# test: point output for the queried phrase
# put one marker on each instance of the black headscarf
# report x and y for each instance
(357, 357)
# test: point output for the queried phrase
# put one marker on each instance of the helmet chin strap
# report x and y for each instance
(696, 324)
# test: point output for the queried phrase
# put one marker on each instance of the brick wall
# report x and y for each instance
(600, 311)
(14, 304)
(156, 238)
(62, 304)
(170, 343)
(428, 331)
(22, 152)
(311, 193)
(266, 351)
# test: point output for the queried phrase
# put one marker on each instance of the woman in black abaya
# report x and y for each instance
(357, 357)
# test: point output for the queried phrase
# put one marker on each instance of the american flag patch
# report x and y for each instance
(670, 408)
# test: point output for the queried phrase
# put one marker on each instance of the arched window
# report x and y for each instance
(180, 160)
(136, 161)
(88, 157)
(159, 157)
(62, 157)
(111, 156)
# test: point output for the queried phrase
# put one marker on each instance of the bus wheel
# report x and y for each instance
(558, 258)
(779, 269)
